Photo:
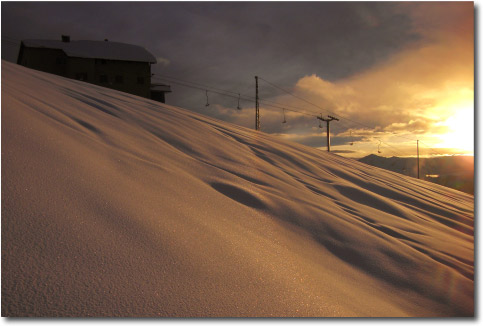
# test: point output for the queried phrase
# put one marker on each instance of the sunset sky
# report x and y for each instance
(391, 72)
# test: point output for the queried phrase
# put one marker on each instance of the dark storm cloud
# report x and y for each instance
(227, 44)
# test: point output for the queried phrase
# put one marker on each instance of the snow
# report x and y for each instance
(116, 205)
(96, 49)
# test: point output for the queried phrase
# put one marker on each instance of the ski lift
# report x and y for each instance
(238, 106)
(284, 120)
(379, 148)
(207, 103)
(352, 138)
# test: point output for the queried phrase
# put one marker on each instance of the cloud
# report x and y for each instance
(410, 94)
(163, 61)
(384, 68)
(420, 125)
(414, 92)
(341, 151)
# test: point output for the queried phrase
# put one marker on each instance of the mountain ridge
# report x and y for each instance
(455, 171)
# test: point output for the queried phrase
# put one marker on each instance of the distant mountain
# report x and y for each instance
(456, 172)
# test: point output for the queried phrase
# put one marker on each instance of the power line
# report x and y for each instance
(300, 98)
(194, 83)
(431, 148)
(340, 115)
(324, 109)
(219, 91)
(266, 103)
(223, 93)
(204, 88)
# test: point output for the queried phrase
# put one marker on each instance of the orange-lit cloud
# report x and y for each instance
(416, 92)
(423, 91)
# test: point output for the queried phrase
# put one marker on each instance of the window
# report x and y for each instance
(119, 79)
(81, 76)
(140, 80)
(103, 79)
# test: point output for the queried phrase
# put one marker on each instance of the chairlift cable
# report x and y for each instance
(266, 103)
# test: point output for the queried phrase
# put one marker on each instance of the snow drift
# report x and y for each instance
(116, 205)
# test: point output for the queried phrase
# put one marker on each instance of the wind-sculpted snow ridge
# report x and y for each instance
(116, 205)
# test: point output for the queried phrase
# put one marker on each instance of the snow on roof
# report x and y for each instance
(96, 49)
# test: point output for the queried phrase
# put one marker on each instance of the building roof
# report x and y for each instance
(96, 49)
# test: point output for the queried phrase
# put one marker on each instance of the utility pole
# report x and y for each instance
(257, 106)
(417, 146)
(328, 120)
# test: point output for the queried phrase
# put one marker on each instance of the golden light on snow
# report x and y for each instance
(120, 206)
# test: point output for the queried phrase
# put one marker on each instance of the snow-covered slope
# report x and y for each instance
(115, 205)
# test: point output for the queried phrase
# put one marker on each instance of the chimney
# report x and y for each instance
(66, 38)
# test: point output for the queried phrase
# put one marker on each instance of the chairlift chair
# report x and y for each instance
(238, 106)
